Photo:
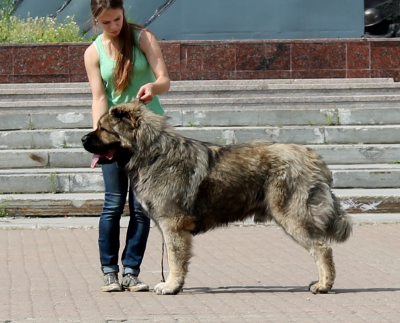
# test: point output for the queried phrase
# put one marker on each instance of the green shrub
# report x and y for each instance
(7, 8)
(35, 30)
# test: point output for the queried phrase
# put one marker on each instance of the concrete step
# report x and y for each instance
(90, 204)
(263, 116)
(233, 102)
(40, 148)
(51, 180)
(300, 101)
(212, 82)
(90, 222)
(366, 176)
(87, 180)
(71, 138)
(222, 90)
(78, 157)
(296, 134)
(45, 158)
(85, 88)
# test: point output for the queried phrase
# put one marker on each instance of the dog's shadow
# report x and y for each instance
(279, 289)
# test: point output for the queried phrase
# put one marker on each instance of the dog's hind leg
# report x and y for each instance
(322, 253)
(179, 243)
(318, 248)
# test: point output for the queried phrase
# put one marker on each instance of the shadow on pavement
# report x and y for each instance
(279, 289)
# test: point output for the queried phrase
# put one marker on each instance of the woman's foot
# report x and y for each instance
(133, 284)
(111, 283)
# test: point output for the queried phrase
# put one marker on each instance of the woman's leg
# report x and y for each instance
(116, 187)
(136, 237)
(136, 240)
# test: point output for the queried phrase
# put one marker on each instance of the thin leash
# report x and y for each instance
(162, 261)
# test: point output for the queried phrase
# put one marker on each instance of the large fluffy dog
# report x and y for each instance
(189, 187)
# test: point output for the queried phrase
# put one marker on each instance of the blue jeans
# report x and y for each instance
(116, 189)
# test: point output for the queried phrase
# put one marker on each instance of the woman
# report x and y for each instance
(124, 62)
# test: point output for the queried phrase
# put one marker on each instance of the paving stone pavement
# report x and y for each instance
(51, 273)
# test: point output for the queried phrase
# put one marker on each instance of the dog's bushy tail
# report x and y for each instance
(341, 224)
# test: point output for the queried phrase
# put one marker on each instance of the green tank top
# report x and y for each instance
(141, 74)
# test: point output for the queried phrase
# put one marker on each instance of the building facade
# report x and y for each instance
(223, 19)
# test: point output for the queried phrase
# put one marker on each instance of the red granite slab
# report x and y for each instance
(250, 57)
(205, 60)
(318, 73)
(208, 75)
(75, 59)
(262, 56)
(78, 78)
(174, 76)
(208, 58)
(49, 78)
(358, 55)
(4, 79)
(318, 56)
(172, 56)
(358, 74)
(41, 60)
(385, 55)
(6, 60)
(390, 73)
(248, 75)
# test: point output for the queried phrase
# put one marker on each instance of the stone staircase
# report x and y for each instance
(352, 123)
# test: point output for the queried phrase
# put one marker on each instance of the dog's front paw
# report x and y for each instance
(319, 288)
(165, 289)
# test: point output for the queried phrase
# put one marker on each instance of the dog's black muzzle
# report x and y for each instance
(84, 140)
(87, 143)
(92, 145)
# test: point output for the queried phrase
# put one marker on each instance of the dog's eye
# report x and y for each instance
(109, 131)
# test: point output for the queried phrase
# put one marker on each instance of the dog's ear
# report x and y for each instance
(120, 112)
(128, 112)
(124, 113)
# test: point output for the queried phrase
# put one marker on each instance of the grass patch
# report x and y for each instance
(14, 30)
(53, 182)
(3, 210)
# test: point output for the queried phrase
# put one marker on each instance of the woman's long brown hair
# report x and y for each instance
(125, 57)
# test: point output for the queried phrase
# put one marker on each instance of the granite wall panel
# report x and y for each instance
(318, 74)
(250, 57)
(205, 60)
(385, 55)
(48, 78)
(75, 59)
(318, 56)
(172, 56)
(358, 56)
(359, 74)
(41, 60)
(6, 61)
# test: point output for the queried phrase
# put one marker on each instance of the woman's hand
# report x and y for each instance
(146, 93)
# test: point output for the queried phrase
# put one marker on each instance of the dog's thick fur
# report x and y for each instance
(189, 187)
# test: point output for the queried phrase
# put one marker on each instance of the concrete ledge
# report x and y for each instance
(87, 180)
(216, 117)
(217, 89)
(71, 138)
(373, 177)
(79, 158)
(90, 204)
(85, 222)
